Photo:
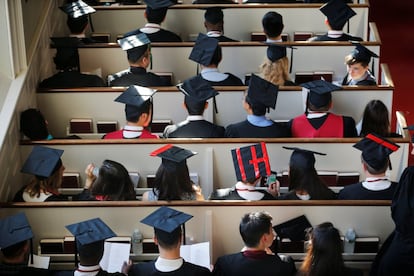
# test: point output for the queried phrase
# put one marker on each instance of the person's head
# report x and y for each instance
(33, 124)
(47, 167)
(276, 72)
(113, 182)
(272, 23)
(206, 51)
(319, 96)
(324, 254)
(77, 25)
(77, 12)
(256, 230)
(261, 95)
(337, 13)
(172, 179)
(213, 19)
(358, 60)
(138, 49)
(67, 56)
(375, 119)
(156, 11)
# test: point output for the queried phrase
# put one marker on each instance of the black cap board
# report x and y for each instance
(362, 53)
(173, 156)
(42, 161)
(294, 229)
(376, 150)
(159, 4)
(135, 45)
(275, 52)
(320, 92)
(203, 50)
(90, 231)
(251, 162)
(166, 219)
(262, 92)
(303, 158)
(338, 13)
(214, 15)
(14, 229)
(197, 89)
(133, 98)
(77, 9)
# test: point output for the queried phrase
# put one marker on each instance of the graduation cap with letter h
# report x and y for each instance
(173, 156)
(376, 150)
(135, 45)
(303, 158)
(319, 94)
(42, 162)
(197, 89)
(205, 49)
(251, 162)
(262, 92)
(134, 97)
(275, 52)
(338, 13)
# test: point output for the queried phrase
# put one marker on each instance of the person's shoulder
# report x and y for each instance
(349, 190)
(142, 268)
(196, 268)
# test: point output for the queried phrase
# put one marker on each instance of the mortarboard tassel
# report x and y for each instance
(291, 60)
(347, 27)
(31, 251)
(372, 67)
(215, 105)
(90, 23)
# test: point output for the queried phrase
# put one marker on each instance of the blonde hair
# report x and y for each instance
(276, 72)
(52, 183)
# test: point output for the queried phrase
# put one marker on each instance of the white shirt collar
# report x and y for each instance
(248, 192)
(303, 197)
(214, 34)
(213, 74)
(312, 115)
(273, 40)
(165, 265)
(151, 28)
(195, 118)
(335, 33)
(77, 35)
(132, 131)
(376, 184)
(260, 121)
(42, 197)
(87, 270)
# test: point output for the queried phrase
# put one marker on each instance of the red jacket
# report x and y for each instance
(332, 127)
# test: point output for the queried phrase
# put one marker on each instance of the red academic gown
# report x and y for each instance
(332, 127)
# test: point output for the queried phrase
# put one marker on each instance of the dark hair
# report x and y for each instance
(77, 25)
(308, 180)
(132, 113)
(324, 255)
(373, 171)
(156, 15)
(375, 119)
(257, 109)
(14, 250)
(91, 254)
(272, 24)
(351, 60)
(194, 107)
(253, 226)
(138, 53)
(214, 15)
(113, 182)
(217, 56)
(168, 240)
(33, 124)
(173, 184)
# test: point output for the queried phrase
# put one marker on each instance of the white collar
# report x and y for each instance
(42, 197)
(87, 270)
(132, 131)
(304, 197)
(214, 34)
(248, 192)
(273, 40)
(213, 74)
(195, 118)
(150, 28)
(376, 183)
(335, 33)
(78, 35)
(165, 265)
(312, 115)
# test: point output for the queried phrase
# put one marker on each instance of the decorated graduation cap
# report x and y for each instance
(303, 158)
(262, 92)
(173, 156)
(275, 52)
(135, 45)
(338, 13)
(320, 92)
(204, 49)
(294, 229)
(90, 231)
(251, 162)
(197, 89)
(214, 15)
(42, 162)
(14, 229)
(166, 219)
(77, 9)
(376, 150)
(67, 56)
(362, 53)
(134, 97)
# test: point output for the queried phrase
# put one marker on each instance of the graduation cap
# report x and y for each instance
(166, 219)
(173, 156)
(251, 162)
(320, 92)
(42, 162)
(204, 49)
(275, 52)
(90, 231)
(303, 158)
(197, 89)
(214, 15)
(67, 55)
(135, 45)
(362, 53)
(295, 229)
(14, 229)
(77, 9)
(376, 150)
(262, 92)
(338, 13)
(159, 4)
(134, 97)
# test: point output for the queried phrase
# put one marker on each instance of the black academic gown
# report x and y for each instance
(71, 79)
(137, 76)
(187, 269)
(396, 256)
(264, 265)
(369, 80)
(100, 273)
(292, 196)
(194, 129)
(343, 37)
(160, 36)
(245, 129)
(357, 192)
(231, 80)
(23, 270)
(224, 38)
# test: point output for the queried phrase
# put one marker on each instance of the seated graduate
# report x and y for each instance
(317, 121)
(172, 179)
(261, 95)
(168, 227)
(256, 258)
(375, 162)
(46, 166)
(90, 236)
(304, 182)
(34, 125)
(253, 167)
(139, 57)
(112, 182)
(272, 23)
(16, 247)
(155, 14)
(275, 68)
(337, 13)
(396, 255)
(196, 93)
(324, 253)
(214, 23)
(357, 67)
(67, 63)
(138, 113)
(208, 54)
